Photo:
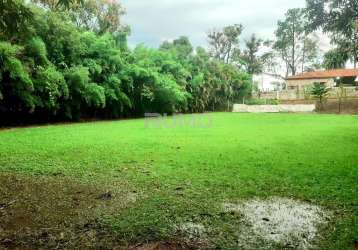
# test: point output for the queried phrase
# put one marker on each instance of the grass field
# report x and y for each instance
(168, 176)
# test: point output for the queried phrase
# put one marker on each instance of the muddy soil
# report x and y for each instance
(58, 213)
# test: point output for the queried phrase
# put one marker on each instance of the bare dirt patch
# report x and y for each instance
(280, 221)
(58, 212)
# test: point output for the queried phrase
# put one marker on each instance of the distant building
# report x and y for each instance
(330, 78)
(266, 82)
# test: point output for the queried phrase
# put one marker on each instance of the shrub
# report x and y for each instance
(319, 92)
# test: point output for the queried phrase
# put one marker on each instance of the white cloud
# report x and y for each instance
(157, 20)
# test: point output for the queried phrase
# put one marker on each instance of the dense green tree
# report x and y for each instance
(99, 16)
(253, 62)
(181, 46)
(15, 16)
(215, 85)
(157, 75)
(339, 19)
(16, 84)
(335, 59)
(59, 69)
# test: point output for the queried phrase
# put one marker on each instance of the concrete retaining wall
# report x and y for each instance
(294, 108)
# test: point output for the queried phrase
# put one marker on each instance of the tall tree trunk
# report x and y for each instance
(355, 52)
(304, 55)
(287, 70)
(293, 66)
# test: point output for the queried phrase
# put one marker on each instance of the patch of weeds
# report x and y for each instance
(161, 218)
(150, 220)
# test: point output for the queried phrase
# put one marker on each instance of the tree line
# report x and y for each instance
(59, 63)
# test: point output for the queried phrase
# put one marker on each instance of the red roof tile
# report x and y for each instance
(325, 74)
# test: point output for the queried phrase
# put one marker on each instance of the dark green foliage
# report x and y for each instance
(14, 18)
(339, 19)
(36, 50)
(50, 88)
(59, 71)
(16, 85)
(95, 96)
(335, 59)
(253, 62)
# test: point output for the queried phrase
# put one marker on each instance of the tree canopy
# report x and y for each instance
(296, 48)
(224, 43)
(70, 64)
(340, 20)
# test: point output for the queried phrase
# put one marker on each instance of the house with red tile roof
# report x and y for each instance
(331, 78)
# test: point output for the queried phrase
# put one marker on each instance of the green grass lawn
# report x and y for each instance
(185, 173)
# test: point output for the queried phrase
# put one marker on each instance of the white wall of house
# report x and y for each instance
(266, 82)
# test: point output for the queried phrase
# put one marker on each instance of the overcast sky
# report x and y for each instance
(153, 21)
